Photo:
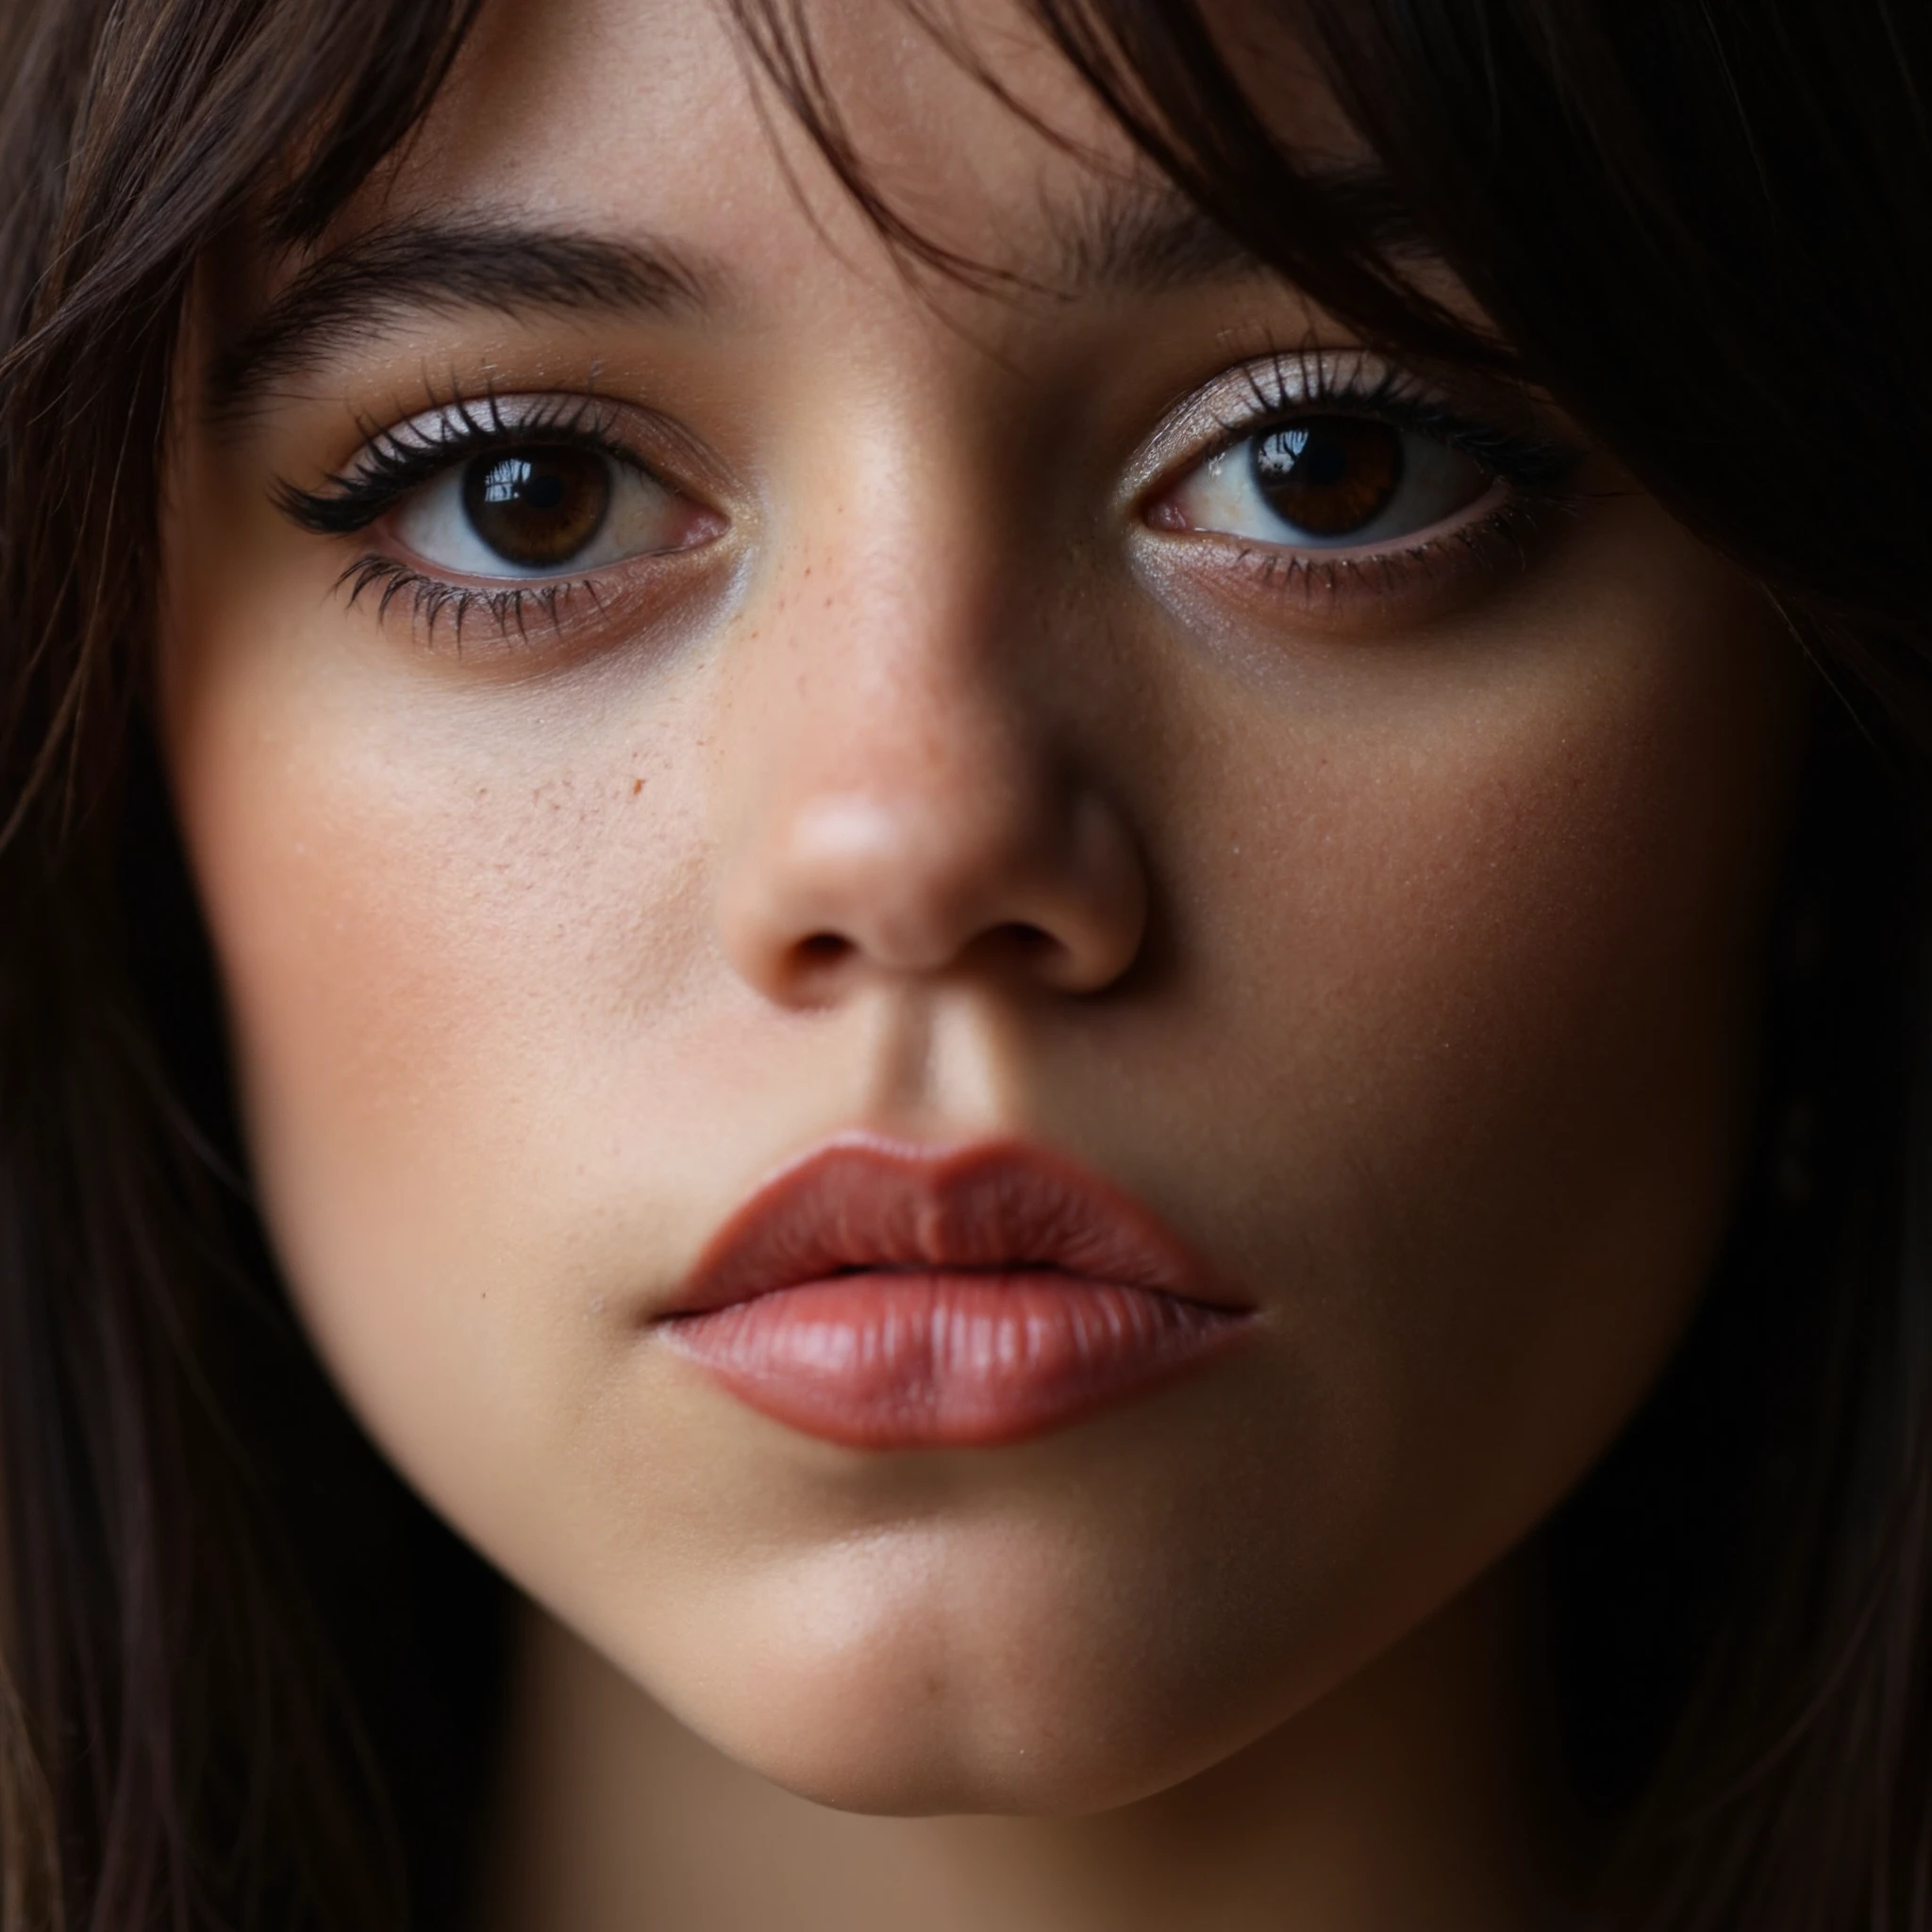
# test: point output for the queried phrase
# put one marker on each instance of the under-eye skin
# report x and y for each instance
(1330, 477)
(513, 508)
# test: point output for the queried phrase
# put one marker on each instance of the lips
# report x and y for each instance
(885, 1296)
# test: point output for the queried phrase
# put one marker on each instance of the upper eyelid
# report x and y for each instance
(1276, 383)
(586, 420)
(408, 443)
(1200, 419)
(450, 431)
(1213, 417)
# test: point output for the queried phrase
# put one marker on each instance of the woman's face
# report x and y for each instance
(657, 695)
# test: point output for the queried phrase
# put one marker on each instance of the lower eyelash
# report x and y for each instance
(1491, 542)
(509, 608)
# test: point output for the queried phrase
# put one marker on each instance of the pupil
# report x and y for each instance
(536, 508)
(1329, 475)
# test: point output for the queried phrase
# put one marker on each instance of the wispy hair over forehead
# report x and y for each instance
(1705, 228)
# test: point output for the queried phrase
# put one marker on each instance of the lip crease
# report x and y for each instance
(885, 1295)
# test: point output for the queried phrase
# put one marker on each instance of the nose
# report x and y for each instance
(904, 814)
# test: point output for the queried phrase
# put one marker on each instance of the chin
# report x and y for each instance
(950, 1677)
(885, 1755)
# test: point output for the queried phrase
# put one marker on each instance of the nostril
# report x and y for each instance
(823, 949)
(1021, 944)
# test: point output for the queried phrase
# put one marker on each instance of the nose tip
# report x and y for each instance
(855, 884)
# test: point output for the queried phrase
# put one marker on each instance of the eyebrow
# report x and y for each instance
(356, 291)
(1137, 242)
(1144, 243)
(1150, 240)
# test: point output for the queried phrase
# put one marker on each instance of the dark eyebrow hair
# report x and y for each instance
(1143, 243)
(355, 290)
(1148, 239)
(1143, 240)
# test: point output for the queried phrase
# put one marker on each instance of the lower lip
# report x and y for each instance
(948, 1358)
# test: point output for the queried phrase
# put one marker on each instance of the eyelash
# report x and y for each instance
(1281, 387)
(1535, 464)
(1288, 385)
(395, 462)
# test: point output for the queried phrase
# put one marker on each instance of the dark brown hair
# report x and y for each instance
(1704, 225)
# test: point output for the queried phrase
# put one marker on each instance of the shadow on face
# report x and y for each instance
(653, 689)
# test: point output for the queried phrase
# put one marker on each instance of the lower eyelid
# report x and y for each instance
(1366, 592)
(1498, 502)
(585, 610)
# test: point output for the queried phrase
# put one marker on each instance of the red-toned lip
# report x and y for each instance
(891, 1297)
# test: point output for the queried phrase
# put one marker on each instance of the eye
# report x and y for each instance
(542, 511)
(1328, 482)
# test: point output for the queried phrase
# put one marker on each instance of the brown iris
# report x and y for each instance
(538, 508)
(1329, 475)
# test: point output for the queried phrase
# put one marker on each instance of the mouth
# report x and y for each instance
(886, 1296)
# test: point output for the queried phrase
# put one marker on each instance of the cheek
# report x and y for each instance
(456, 941)
(1444, 1047)
(1492, 927)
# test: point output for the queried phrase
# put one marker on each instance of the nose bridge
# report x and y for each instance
(904, 797)
(911, 709)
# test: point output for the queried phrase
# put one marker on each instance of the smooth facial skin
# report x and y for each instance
(954, 752)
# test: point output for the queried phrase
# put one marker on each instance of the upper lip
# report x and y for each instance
(865, 1203)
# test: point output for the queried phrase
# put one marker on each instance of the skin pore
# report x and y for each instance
(947, 742)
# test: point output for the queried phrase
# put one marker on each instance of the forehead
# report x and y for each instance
(591, 114)
(630, 159)
(601, 114)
